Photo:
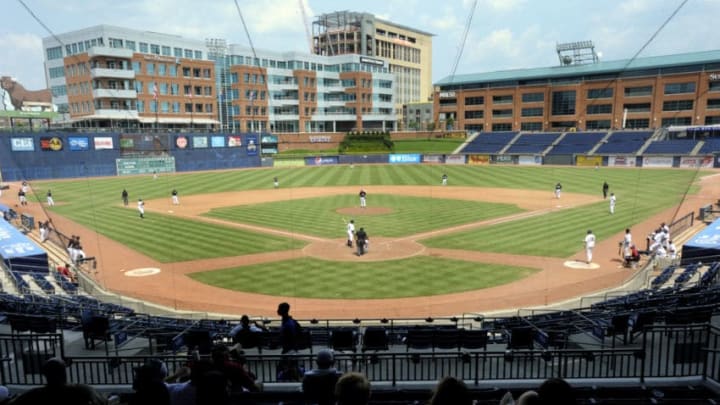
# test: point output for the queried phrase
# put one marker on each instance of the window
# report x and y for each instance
(678, 105)
(130, 45)
(508, 99)
(504, 113)
(599, 93)
(174, 89)
(166, 51)
(58, 91)
(679, 88)
(638, 92)
(186, 71)
(532, 112)
(599, 109)
(136, 66)
(155, 49)
(712, 120)
(54, 53)
(56, 72)
(563, 102)
(714, 86)
(474, 114)
(140, 106)
(502, 127)
(163, 88)
(198, 54)
(531, 126)
(637, 123)
(533, 97)
(143, 47)
(480, 100)
(246, 77)
(713, 103)
(173, 71)
(188, 108)
(150, 67)
(162, 69)
(138, 87)
(598, 124)
(637, 107)
(188, 53)
(176, 107)
(666, 122)
(474, 127)
(165, 107)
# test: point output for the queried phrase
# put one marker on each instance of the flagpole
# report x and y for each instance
(157, 106)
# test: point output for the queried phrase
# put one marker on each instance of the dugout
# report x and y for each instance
(703, 246)
(19, 253)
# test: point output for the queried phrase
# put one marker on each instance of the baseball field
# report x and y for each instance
(235, 244)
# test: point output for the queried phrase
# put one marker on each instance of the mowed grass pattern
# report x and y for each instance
(168, 239)
(409, 215)
(312, 278)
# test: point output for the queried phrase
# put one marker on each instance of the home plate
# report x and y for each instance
(579, 264)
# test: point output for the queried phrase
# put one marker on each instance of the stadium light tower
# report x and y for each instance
(577, 53)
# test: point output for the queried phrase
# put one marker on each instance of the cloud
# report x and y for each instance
(635, 6)
(500, 6)
(21, 56)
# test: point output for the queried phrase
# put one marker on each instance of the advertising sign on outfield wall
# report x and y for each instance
(288, 162)
(657, 161)
(478, 159)
(234, 141)
(78, 143)
(130, 166)
(217, 141)
(529, 160)
(252, 146)
(503, 159)
(432, 158)
(404, 158)
(200, 142)
(25, 144)
(103, 142)
(588, 160)
(626, 161)
(321, 160)
(696, 161)
(455, 159)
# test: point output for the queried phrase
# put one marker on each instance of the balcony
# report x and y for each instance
(112, 73)
(123, 53)
(116, 114)
(114, 93)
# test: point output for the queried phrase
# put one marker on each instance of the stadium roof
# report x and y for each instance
(615, 66)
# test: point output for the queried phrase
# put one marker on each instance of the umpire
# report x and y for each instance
(360, 239)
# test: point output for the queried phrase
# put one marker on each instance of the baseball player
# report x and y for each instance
(125, 197)
(49, 197)
(444, 179)
(350, 232)
(21, 197)
(175, 199)
(141, 208)
(276, 182)
(605, 189)
(613, 200)
(363, 196)
(589, 245)
(362, 238)
(558, 190)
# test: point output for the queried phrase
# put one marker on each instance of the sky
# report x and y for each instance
(503, 34)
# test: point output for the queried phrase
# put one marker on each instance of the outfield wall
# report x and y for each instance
(50, 155)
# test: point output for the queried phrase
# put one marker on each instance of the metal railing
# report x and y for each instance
(665, 351)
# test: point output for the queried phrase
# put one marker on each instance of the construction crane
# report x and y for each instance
(306, 23)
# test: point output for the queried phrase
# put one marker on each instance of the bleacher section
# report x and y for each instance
(671, 147)
(577, 143)
(624, 142)
(489, 142)
(711, 145)
(532, 143)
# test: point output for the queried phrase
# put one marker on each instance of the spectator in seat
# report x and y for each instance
(213, 388)
(149, 384)
(57, 389)
(632, 256)
(556, 391)
(185, 393)
(244, 331)
(451, 391)
(318, 384)
(352, 389)
(235, 371)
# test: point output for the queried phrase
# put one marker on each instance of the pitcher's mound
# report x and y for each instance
(357, 211)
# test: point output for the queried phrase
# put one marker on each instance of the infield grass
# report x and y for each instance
(313, 278)
(408, 215)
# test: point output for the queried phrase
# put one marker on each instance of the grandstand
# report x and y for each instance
(489, 142)
(623, 142)
(577, 143)
(532, 143)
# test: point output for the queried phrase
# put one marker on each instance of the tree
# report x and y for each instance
(449, 122)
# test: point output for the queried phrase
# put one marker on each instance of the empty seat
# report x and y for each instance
(375, 338)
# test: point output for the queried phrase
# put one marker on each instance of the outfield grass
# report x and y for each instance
(641, 193)
(312, 278)
(409, 215)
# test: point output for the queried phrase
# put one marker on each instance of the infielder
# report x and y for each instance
(589, 245)
(141, 208)
(350, 232)
(175, 199)
(363, 196)
(558, 190)
(613, 200)
(276, 182)
(444, 179)
(50, 201)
